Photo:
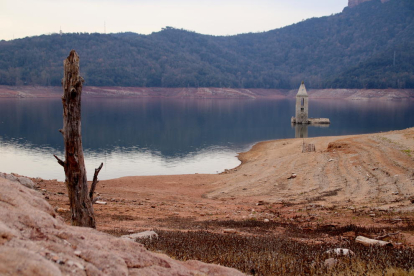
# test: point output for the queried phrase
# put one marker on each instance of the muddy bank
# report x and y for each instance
(207, 93)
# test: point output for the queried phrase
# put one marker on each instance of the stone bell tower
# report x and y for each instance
(302, 105)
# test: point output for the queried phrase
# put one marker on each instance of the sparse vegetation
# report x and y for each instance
(257, 250)
(275, 255)
(408, 152)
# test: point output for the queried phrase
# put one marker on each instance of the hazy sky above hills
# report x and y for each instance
(21, 18)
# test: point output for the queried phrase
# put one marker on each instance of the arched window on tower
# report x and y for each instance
(302, 104)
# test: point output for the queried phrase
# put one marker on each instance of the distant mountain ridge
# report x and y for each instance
(370, 45)
(354, 3)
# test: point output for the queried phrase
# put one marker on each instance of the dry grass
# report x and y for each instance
(272, 255)
(256, 250)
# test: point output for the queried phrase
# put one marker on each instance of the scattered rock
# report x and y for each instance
(293, 175)
(230, 231)
(21, 179)
(341, 252)
(141, 235)
(26, 182)
(266, 220)
(101, 202)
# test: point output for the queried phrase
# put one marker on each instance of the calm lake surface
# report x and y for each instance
(153, 136)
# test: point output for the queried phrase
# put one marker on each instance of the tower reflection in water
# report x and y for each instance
(301, 130)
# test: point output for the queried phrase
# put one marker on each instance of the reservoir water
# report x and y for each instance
(164, 136)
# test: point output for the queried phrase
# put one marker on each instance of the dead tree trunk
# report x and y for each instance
(74, 165)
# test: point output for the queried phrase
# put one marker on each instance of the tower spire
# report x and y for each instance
(302, 105)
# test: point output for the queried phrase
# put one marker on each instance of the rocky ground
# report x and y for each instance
(34, 240)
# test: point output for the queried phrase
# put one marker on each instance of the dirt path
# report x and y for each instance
(363, 179)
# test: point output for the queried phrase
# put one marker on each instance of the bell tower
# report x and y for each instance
(302, 105)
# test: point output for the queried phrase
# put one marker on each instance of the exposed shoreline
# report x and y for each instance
(350, 186)
(368, 173)
(206, 93)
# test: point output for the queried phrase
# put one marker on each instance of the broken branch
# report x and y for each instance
(95, 181)
(59, 161)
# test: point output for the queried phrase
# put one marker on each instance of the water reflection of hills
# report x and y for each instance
(174, 128)
(167, 127)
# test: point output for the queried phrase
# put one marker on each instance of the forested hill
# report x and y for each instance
(352, 49)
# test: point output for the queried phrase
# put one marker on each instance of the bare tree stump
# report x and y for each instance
(74, 164)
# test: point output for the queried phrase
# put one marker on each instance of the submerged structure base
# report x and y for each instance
(312, 121)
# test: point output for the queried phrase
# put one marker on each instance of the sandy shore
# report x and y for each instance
(373, 170)
(360, 179)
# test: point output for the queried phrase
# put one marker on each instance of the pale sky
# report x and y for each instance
(21, 18)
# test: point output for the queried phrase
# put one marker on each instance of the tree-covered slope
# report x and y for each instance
(352, 49)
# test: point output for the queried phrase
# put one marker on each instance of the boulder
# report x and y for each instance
(34, 240)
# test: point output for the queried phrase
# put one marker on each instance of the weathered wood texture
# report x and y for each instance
(368, 242)
(94, 182)
(74, 165)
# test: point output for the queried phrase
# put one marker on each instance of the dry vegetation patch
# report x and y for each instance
(280, 255)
